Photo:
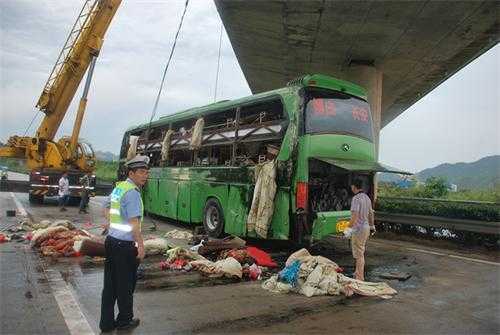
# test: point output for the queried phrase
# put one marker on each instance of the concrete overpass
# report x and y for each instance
(398, 50)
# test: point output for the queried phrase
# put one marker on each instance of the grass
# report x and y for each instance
(106, 171)
(491, 194)
(15, 165)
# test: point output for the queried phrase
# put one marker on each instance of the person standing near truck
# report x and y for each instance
(124, 247)
(360, 226)
(84, 199)
(63, 191)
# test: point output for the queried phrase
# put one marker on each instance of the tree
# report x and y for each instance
(435, 187)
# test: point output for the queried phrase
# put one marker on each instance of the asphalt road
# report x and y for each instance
(451, 291)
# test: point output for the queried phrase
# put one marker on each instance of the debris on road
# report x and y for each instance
(228, 257)
(261, 257)
(316, 275)
(155, 246)
(181, 253)
(92, 247)
(179, 234)
(58, 239)
(4, 238)
(214, 245)
(401, 276)
(41, 235)
(228, 267)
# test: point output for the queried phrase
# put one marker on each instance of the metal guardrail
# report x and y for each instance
(103, 189)
(474, 226)
(471, 202)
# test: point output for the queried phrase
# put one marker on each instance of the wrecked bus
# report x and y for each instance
(321, 129)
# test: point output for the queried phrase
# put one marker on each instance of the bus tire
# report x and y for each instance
(213, 218)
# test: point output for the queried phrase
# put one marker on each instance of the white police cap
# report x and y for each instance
(138, 161)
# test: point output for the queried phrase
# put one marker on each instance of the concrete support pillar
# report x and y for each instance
(370, 78)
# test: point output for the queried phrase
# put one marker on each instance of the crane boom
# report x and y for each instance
(83, 43)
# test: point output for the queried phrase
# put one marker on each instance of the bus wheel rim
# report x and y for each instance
(212, 218)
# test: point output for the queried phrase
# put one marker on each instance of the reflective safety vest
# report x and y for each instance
(118, 227)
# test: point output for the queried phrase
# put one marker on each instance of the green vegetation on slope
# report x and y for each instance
(15, 165)
(434, 189)
(480, 174)
(105, 171)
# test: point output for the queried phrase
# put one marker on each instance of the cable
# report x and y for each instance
(29, 126)
(155, 107)
(218, 64)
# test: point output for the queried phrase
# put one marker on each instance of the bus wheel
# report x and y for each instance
(213, 218)
(35, 199)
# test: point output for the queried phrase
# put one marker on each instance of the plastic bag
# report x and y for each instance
(290, 274)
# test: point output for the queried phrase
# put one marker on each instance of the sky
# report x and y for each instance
(455, 123)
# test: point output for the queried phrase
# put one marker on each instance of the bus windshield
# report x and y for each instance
(328, 112)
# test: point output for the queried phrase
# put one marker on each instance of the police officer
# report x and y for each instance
(124, 247)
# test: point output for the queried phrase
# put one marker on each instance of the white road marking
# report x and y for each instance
(474, 260)
(427, 251)
(454, 256)
(70, 309)
(19, 206)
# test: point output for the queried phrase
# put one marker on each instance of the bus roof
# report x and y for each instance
(314, 80)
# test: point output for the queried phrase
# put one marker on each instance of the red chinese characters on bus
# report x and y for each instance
(323, 107)
(360, 114)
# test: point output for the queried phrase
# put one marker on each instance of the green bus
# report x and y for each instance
(321, 129)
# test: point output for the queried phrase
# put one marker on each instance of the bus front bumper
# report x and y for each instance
(329, 223)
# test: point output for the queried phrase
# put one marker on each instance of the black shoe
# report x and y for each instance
(108, 330)
(130, 325)
(63, 209)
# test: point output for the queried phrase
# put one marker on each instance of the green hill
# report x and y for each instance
(484, 173)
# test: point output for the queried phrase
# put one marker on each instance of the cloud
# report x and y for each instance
(128, 71)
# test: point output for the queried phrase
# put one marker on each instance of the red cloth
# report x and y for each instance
(261, 257)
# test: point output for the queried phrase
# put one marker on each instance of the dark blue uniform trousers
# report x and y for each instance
(120, 276)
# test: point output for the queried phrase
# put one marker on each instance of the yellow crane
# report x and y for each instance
(45, 157)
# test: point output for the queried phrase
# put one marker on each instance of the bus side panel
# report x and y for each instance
(201, 191)
(236, 210)
(183, 201)
(167, 200)
(198, 199)
(280, 224)
(150, 196)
